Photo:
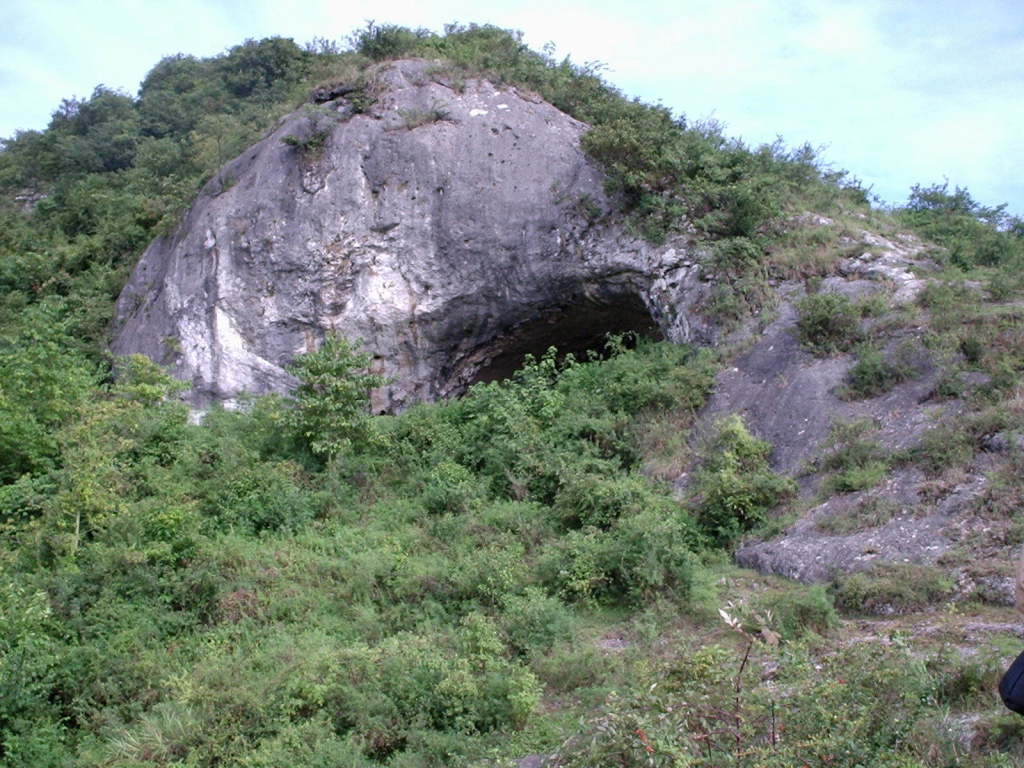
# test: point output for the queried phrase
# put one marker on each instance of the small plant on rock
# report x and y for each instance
(321, 122)
(414, 118)
(872, 375)
(827, 323)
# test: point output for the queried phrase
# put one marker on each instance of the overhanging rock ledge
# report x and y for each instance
(450, 231)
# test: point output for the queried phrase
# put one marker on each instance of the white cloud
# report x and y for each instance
(839, 31)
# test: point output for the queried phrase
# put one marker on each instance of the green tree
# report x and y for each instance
(43, 382)
(972, 234)
(332, 401)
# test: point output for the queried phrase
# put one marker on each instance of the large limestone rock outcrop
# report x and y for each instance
(451, 231)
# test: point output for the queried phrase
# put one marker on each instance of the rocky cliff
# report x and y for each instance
(452, 231)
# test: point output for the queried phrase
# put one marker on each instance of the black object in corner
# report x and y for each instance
(1011, 687)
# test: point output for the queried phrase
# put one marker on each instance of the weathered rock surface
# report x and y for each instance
(451, 231)
(790, 398)
(916, 533)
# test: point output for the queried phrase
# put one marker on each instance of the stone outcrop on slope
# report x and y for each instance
(450, 231)
(792, 399)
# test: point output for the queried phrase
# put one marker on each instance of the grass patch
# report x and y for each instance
(800, 611)
(868, 513)
(414, 118)
(806, 251)
(947, 446)
(887, 588)
(854, 460)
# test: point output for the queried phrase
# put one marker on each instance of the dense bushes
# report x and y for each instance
(447, 551)
(971, 234)
(827, 323)
(858, 707)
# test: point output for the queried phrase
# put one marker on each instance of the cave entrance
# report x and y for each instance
(575, 329)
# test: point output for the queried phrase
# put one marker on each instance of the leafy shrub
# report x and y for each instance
(1007, 281)
(311, 743)
(735, 487)
(943, 447)
(638, 556)
(858, 477)
(30, 658)
(598, 499)
(266, 498)
(572, 567)
(972, 349)
(872, 375)
(170, 532)
(827, 323)
(494, 571)
(972, 234)
(451, 489)
(663, 170)
(651, 553)
(333, 397)
(534, 622)
(381, 42)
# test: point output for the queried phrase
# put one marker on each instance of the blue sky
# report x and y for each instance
(898, 92)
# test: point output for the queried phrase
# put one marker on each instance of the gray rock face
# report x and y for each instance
(451, 231)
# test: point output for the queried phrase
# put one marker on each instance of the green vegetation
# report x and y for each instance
(873, 374)
(891, 588)
(853, 459)
(735, 487)
(827, 323)
(510, 573)
(970, 234)
(333, 399)
(384, 587)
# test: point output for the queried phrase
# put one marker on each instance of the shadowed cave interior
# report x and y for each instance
(576, 329)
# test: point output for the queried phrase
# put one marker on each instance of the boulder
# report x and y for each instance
(451, 231)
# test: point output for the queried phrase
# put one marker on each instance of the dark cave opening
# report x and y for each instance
(577, 329)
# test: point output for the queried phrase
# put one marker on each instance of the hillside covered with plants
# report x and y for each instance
(508, 574)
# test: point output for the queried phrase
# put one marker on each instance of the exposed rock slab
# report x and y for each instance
(789, 397)
(439, 227)
(808, 553)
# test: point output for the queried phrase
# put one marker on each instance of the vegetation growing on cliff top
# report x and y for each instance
(300, 584)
